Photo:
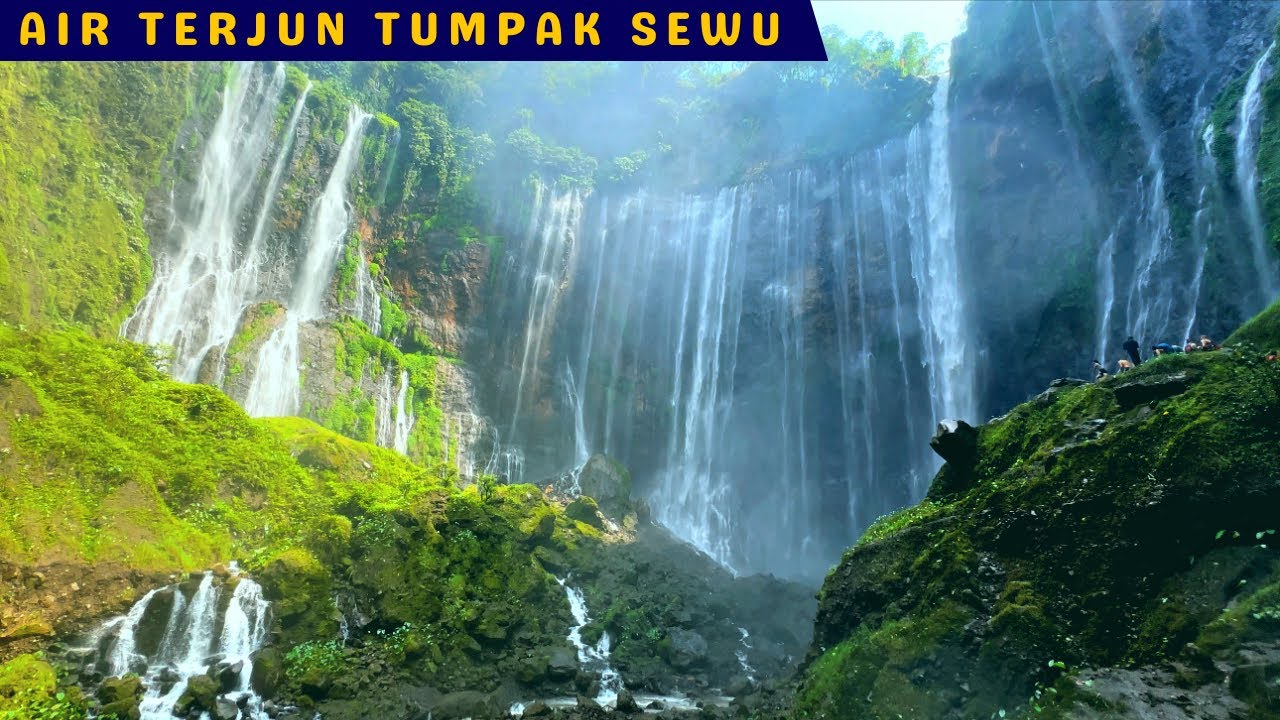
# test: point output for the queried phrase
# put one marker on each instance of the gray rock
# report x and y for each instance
(225, 709)
(687, 649)
(626, 702)
(465, 704)
(562, 664)
(1131, 392)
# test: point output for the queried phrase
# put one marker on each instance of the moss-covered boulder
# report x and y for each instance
(585, 510)
(1106, 526)
(607, 481)
(200, 695)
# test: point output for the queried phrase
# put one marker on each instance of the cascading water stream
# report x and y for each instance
(275, 390)
(1249, 128)
(404, 416)
(250, 277)
(198, 291)
(366, 305)
(939, 277)
(196, 640)
(1158, 301)
(384, 422)
(594, 658)
(551, 237)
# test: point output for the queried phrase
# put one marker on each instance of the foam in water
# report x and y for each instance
(1246, 156)
(194, 633)
(201, 275)
(274, 390)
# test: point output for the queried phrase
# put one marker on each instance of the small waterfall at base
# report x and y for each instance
(274, 389)
(593, 658)
(195, 639)
(1248, 131)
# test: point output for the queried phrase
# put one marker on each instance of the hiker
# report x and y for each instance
(1164, 348)
(1190, 346)
(1207, 344)
(1124, 365)
(1131, 347)
(1099, 372)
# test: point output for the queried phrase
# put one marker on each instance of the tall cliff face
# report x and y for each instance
(768, 339)
(1090, 170)
(768, 358)
(771, 357)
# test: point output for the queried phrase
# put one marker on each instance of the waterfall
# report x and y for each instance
(1152, 299)
(1246, 159)
(383, 422)
(250, 276)
(366, 305)
(1065, 107)
(693, 490)
(1202, 224)
(1105, 270)
(550, 238)
(197, 639)
(202, 273)
(680, 334)
(591, 657)
(404, 416)
(274, 390)
(944, 310)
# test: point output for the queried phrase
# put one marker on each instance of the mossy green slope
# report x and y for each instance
(1084, 536)
(80, 147)
(107, 464)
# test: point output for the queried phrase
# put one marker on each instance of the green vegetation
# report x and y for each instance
(1105, 525)
(81, 144)
(358, 352)
(108, 463)
(1260, 334)
(29, 690)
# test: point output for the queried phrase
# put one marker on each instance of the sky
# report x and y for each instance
(939, 20)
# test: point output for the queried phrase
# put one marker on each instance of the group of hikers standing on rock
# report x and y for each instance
(1133, 350)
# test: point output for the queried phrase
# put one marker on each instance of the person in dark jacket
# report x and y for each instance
(1131, 347)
